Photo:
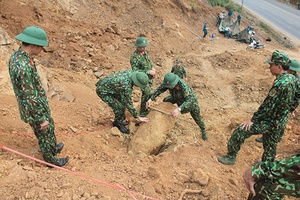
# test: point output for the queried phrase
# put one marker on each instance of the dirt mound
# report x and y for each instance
(89, 39)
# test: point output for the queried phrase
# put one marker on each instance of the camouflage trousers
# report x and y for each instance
(271, 136)
(118, 107)
(145, 97)
(47, 141)
(275, 190)
(195, 112)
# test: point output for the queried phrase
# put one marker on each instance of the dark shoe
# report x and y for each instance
(259, 140)
(62, 161)
(121, 127)
(125, 123)
(227, 160)
(204, 136)
(59, 147)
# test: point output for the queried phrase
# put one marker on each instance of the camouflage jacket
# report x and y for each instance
(31, 96)
(182, 94)
(119, 83)
(286, 172)
(179, 70)
(278, 104)
(141, 63)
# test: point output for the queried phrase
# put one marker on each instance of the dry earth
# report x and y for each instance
(89, 39)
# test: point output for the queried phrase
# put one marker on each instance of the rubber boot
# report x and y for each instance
(227, 160)
(259, 140)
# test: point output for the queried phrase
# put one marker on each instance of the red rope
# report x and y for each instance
(131, 193)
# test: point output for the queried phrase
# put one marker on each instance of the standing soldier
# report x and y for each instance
(31, 96)
(183, 96)
(116, 91)
(140, 61)
(271, 117)
(205, 32)
(178, 69)
(294, 67)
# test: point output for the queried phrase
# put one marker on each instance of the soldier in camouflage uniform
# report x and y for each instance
(31, 96)
(272, 180)
(271, 118)
(116, 91)
(183, 96)
(178, 69)
(294, 67)
(140, 61)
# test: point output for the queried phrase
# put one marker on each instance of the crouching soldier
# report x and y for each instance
(183, 96)
(116, 90)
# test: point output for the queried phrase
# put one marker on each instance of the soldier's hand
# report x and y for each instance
(44, 125)
(175, 112)
(153, 72)
(148, 103)
(144, 119)
(246, 125)
(249, 180)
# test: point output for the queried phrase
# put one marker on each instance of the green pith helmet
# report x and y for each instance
(140, 79)
(170, 80)
(33, 35)
(279, 58)
(178, 61)
(294, 66)
(141, 42)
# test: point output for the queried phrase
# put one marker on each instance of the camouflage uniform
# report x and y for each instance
(142, 63)
(32, 101)
(273, 180)
(270, 119)
(179, 71)
(185, 98)
(116, 91)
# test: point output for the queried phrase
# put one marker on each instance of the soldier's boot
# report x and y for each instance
(62, 161)
(259, 140)
(59, 147)
(204, 136)
(121, 127)
(227, 160)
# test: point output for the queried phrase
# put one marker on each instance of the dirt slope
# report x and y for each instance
(93, 38)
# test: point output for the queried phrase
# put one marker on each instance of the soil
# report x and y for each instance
(90, 39)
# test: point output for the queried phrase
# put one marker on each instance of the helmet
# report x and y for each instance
(294, 66)
(141, 42)
(140, 79)
(279, 57)
(170, 80)
(33, 35)
(178, 61)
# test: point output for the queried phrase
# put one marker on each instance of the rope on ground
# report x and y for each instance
(189, 191)
(131, 193)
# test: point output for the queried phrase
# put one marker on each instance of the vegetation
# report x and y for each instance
(227, 4)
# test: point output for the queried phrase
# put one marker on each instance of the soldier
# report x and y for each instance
(271, 117)
(205, 32)
(140, 61)
(183, 96)
(178, 69)
(116, 91)
(272, 180)
(31, 97)
(294, 67)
